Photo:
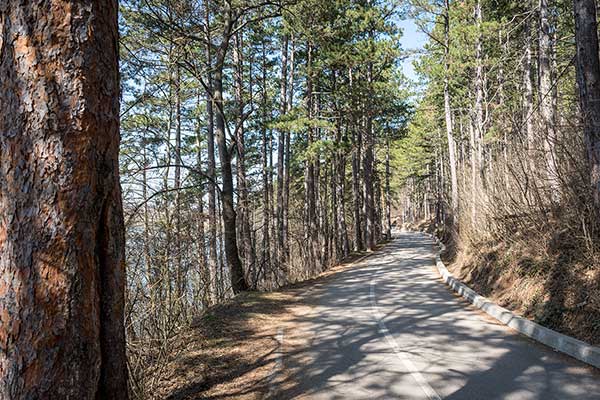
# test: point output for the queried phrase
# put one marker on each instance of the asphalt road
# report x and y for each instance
(390, 329)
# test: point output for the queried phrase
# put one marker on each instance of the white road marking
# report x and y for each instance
(406, 361)
(278, 367)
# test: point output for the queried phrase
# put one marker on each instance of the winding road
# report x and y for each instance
(389, 328)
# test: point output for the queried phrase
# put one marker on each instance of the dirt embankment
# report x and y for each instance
(551, 282)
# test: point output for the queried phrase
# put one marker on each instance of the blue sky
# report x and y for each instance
(412, 39)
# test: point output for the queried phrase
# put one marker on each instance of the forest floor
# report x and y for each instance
(231, 352)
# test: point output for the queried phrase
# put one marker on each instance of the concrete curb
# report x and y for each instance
(565, 344)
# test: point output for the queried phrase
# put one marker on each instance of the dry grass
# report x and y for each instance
(551, 282)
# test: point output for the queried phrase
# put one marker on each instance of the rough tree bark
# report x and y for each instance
(588, 79)
(61, 221)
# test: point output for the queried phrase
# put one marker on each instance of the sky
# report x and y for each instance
(412, 39)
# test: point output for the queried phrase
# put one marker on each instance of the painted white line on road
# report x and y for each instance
(278, 367)
(408, 364)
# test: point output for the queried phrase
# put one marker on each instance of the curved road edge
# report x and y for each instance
(565, 344)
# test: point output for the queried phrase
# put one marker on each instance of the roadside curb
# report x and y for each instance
(565, 344)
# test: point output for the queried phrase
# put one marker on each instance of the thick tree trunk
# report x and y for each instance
(61, 221)
(588, 79)
(229, 217)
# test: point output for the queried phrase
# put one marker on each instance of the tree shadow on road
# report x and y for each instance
(334, 348)
(461, 353)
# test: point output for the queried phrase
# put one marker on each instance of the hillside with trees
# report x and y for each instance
(255, 148)
(502, 153)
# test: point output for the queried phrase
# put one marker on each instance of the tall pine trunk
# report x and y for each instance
(368, 170)
(203, 271)
(588, 79)
(229, 217)
(266, 174)
(61, 219)
(281, 146)
(211, 168)
(179, 273)
(288, 153)
(238, 281)
(528, 98)
(479, 99)
(388, 192)
(311, 228)
(357, 194)
(247, 249)
(545, 98)
(448, 116)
